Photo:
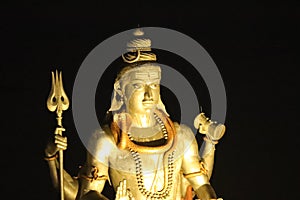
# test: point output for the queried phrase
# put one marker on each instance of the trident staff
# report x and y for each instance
(58, 101)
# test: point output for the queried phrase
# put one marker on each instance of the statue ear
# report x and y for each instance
(117, 88)
(117, 100)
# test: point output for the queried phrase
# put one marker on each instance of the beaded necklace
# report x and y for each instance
(162, 194)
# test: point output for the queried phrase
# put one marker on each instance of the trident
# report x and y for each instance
(58, 101)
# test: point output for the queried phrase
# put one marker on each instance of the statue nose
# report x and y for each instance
(148, 92)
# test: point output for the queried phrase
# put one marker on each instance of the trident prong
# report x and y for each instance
(58, 101)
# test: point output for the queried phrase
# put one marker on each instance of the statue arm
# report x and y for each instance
(70, 183)
(194, 170)
(94, 174)
(212, 133)
(92, 178)
(207, 154)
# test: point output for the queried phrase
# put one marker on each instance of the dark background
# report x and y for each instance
(254, 45)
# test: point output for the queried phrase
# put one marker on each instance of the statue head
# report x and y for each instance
(137, 86)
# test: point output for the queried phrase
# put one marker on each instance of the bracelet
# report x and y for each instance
(205, 138)
(190, 175)
(51, 158)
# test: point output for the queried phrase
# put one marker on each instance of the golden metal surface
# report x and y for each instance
(142, 153)
(205, 125)
(136, 170)
(58, 101)
(139, 49)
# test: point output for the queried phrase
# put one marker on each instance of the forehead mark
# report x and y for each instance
(147, 75)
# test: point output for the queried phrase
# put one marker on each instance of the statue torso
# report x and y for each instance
(149, 174)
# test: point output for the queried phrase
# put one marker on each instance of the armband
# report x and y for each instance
(94, 176)
(202, 171)
(51, 158)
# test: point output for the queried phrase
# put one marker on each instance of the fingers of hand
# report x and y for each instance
(61, 142)
(124, 187)
(121, 189)
(121, 193)
(59, 129)
(118, 193)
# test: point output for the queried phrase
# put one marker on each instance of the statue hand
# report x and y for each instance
(213, 130)
(59, 143)
(122, 192)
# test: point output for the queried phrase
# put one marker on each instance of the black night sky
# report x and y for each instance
(254, 45)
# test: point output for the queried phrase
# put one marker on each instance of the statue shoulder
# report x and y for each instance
(184, 132)
(101, 140)
(103, 133)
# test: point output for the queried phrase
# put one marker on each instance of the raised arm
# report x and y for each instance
(212, 132)
(51, 153)
(193, 168)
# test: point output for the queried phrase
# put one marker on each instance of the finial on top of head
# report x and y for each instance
(139, 49)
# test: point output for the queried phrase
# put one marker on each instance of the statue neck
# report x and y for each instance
(143, 120)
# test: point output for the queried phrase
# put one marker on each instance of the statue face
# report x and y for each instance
(142, 93)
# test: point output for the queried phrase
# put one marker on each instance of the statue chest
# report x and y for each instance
(156, 175)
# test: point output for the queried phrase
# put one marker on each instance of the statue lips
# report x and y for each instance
(148, 102)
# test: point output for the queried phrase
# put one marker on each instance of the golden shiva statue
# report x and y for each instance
(141, 152)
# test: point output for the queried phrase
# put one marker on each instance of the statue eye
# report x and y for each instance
(154, 85)
(137, 85)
